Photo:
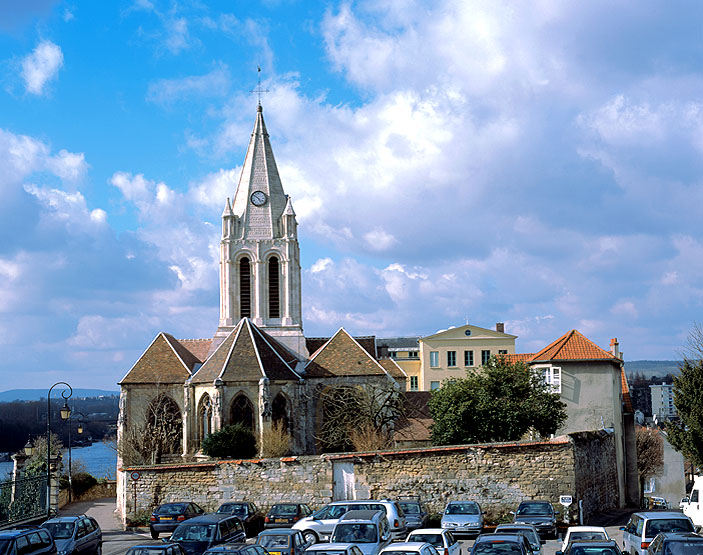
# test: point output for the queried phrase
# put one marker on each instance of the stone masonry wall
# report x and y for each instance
(498, 476)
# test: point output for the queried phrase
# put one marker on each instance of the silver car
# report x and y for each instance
(463, 517)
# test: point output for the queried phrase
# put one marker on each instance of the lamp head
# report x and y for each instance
(65, 411)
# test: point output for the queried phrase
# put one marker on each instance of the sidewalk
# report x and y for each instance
(614, 517)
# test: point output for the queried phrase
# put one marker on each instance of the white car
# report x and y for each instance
(443, 540)
(410, 548)
(333, 549)
(596, 533)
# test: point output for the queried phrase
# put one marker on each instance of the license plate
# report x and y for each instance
(274, 553)
(280, 520)
(165, 518)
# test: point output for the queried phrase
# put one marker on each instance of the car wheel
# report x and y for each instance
(154, 534)
(310, 536)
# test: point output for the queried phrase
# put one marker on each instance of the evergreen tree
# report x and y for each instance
(687, 435)
(500, 402)
(235, 441)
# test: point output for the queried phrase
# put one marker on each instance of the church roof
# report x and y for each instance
(368, 342)
(247, 354)
(164, 361)
(343, 355)
(393, 369)
(260, 173)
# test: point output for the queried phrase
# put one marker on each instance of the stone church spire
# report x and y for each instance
(259, 251)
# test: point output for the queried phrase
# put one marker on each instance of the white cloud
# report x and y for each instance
(41, 66)
(213, 84)
(379, 240)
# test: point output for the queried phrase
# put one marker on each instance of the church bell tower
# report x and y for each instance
(259, 251)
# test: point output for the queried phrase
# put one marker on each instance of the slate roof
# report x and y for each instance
(368, 342)
(247, 354)
(415, 424)
(393, 369)
(399, 342)
(199, 347)
(164, 361)
(343, 355)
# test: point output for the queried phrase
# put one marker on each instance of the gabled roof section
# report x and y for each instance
(368, 342)
(198, 347)
(573, 346)
(393, 369)
(260, 173)
(518, 357)
(162, 362)
(343, 355)
(248, 354)
(460, 332)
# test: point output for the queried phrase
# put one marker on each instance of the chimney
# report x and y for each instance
(500, 327)
(615, 347)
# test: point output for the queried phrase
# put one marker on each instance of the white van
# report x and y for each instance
(693, 509)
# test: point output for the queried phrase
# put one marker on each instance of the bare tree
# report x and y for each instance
(359, 417)
(650, 454)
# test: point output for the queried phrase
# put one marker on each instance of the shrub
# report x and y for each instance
(235, 441)
(275, 441)
(82, 482)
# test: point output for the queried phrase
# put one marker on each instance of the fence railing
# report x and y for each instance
(22, 499)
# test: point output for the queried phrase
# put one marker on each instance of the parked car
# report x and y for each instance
(590, 547)
(410, 548)
(367, 529)
(26, 541)
(416, 515)
(333, 549)
(200, 533)
(167, 517)
(501, 544)
(527, 530)
(644, 526)
(75, 535)
(284, 515)
(654, 503)
(236, 549)
(538, 513)
(463, 517)
(319, 525)
(163, 548)
(676, 543)
(250, 515)
(587, 533)
(443, 540)
(283, 541)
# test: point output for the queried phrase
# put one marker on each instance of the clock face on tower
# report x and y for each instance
(258, 198)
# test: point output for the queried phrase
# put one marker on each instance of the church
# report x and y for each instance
(258, 368)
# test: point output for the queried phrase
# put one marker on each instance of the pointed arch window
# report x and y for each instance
(274, 296)
(244, 288)
(279, 412)
(242, 411)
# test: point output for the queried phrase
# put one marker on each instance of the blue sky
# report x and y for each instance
(537, 164)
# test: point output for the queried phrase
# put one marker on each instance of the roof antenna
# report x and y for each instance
(258, 90)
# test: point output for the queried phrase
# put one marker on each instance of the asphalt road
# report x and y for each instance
(116, 541)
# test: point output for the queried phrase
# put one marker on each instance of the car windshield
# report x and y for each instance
(4, 544)
(233, 509)
(59, 530)
(656, 526)
(594, 550)
(688, 547)
(535, 509)
(434, 539)
(462, 509)
(410, 508)
(286, 510)
(171, 509)
(193, 533)
(274, 540)
(354, 533)
(593, 536)
(531, 535)
(497, 548)
(145, 551)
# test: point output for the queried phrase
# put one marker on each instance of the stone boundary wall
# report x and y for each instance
(497, 475)
(101, 490)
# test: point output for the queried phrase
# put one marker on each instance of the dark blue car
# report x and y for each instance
(200, 533)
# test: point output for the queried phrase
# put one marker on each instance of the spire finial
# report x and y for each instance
(258, 90)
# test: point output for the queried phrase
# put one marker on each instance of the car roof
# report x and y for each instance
(455, 501)
(224, 547)
(660, 514)
(278, 532)
(496, 536)
(208, 518)
(585, 529)
(429, 530)
(323, 546)
(72, 518)
(594, 543)
(516, 526)
(402, 546)
(681, 536)
(13, 532)
(360, 515)
(163, 545)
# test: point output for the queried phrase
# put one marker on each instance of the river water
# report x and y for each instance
(98, 459)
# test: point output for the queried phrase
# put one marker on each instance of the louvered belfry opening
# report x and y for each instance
(244, 288)
(274, 297)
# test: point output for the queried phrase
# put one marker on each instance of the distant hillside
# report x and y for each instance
(649, 368)
(36, 394)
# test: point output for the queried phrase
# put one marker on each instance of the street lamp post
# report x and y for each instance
(65, 415)
(70, 472)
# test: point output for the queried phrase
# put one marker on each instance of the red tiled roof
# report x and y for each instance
(573, 346)
(626, 400)
(518, 357)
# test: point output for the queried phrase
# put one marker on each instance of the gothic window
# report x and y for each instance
(274, 297)
(244, 288)
(279, 412)
(242, 411)
(164, 427)
(205, 417)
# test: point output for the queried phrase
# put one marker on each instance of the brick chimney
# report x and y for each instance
(500, 327)
(615, 348)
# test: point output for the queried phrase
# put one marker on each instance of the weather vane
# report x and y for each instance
(258, 90)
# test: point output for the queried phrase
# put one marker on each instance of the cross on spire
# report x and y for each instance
(258, 90)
